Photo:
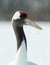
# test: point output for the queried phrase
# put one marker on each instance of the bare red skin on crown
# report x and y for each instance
(21, 12)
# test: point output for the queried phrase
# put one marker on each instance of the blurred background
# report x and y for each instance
(37, 9)
(38, 42)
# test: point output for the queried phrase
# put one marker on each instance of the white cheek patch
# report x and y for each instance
(16, 15)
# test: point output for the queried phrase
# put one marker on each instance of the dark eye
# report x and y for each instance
(23, 16)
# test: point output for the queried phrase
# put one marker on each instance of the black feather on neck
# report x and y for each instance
(20, 36)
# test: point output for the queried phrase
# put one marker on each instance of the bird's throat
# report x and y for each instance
(20, 36)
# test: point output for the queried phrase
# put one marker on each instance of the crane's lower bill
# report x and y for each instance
(29, 22)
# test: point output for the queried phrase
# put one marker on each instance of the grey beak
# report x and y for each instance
(29, 22)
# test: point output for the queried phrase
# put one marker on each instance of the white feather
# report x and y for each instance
(16, 15)
(21, 56)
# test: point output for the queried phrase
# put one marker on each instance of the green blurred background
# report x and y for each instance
(38, 10)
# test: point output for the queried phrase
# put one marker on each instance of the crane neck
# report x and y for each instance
(20, 36)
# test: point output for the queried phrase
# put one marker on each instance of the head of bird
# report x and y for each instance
(20, 18)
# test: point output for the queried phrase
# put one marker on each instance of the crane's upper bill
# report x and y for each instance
(29, 22)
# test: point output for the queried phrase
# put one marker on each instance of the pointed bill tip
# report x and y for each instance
(37, 26)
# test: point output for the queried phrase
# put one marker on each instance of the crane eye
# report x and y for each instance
(23, 15)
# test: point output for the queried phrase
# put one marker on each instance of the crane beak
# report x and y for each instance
(29, 22)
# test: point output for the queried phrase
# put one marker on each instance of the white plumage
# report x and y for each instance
(21, 56)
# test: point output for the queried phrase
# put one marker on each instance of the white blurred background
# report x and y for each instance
(38, 41)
